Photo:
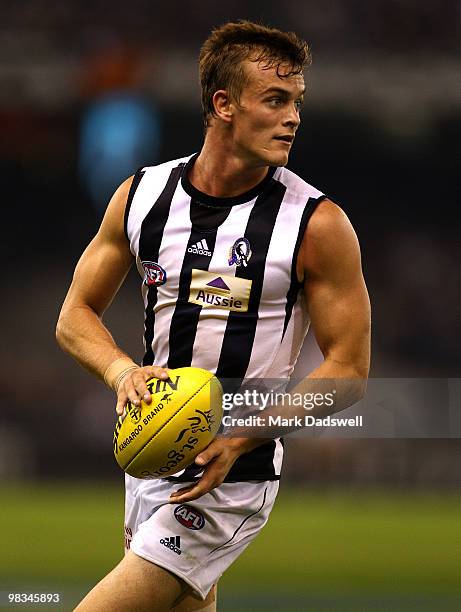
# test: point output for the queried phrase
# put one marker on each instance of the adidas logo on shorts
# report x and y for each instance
(200, 248)
(173, 543)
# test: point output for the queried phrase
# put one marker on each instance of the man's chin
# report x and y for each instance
(276, 158)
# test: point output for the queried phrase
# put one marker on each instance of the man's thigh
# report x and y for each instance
(135, 584)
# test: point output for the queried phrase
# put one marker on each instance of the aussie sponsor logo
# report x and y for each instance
(218, 300)
(219, 291)
(154, 274)
(240, 252)
(189, 517)
(200, 248)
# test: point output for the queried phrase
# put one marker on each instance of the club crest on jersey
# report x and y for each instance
(189, 517)
(154, 274)
(240, 253)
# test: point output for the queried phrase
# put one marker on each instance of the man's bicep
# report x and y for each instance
(335, 290)
(340, 319)
(98, 276)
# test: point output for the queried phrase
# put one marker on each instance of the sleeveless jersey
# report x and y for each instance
(219, 285)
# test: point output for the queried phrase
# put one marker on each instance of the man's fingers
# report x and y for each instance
(121, 402)
(211, 478)
(133, 386)
(218, 460)
(131, 390)
(188, 494)
(156, 371)
(183, 490)
(209, 453)
(147, 373)
(194, 493)
(203, 458)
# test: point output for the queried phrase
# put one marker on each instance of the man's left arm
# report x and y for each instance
(336, 297)
(329, 266)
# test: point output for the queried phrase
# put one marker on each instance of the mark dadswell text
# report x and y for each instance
(296, 421)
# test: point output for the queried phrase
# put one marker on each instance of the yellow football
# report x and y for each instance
(159, 439)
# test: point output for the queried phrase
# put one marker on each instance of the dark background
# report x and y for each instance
(380, 135)
(91, 91)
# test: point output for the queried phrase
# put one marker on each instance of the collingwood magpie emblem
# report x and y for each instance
(240, 253)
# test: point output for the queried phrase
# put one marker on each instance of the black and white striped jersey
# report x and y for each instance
(219, 281)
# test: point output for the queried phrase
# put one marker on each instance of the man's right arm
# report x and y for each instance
(80, 331)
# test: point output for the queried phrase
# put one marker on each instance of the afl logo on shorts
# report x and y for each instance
(189, 517)
(240, 253)
(154, 274)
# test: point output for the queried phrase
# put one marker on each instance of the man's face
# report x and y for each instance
(266, 118)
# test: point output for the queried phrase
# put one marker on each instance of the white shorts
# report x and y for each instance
(197, 541)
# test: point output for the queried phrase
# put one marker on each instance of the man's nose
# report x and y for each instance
(292, 118)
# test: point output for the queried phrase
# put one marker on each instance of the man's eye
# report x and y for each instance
(299, 104)
(275, 101)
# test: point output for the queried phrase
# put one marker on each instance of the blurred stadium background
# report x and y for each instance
(88, 93)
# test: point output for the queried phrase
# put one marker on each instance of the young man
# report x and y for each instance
(230, 221)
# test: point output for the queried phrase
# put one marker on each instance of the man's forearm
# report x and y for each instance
(82, 334)
(270, 413)
(346, 381)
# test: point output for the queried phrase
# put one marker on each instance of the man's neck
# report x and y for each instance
(220, 173)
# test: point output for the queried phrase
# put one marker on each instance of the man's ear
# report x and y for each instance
(223, 106)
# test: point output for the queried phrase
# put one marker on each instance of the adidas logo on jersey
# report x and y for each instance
(173, 543)
(200, 248)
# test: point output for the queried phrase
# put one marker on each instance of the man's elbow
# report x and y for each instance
(361, 388)
(61, 331)
(360, 378)
(355, 377)
(66, 326)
